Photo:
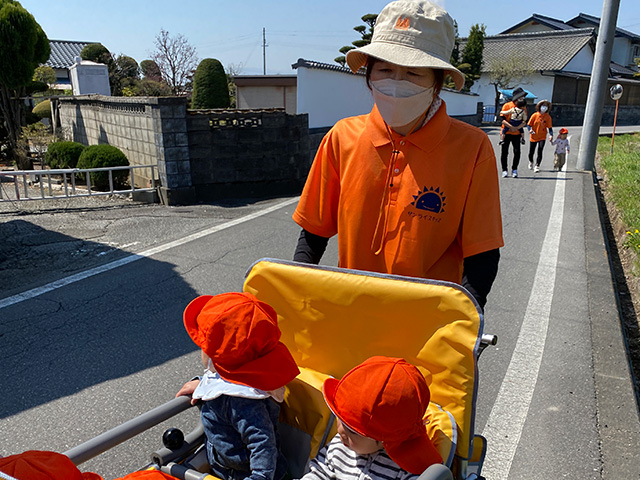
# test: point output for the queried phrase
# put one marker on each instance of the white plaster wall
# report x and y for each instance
(582, 62)
(621, 52)
(459, 104)
(90, 78)
(267, 97)
(328, 96)
(540, 85)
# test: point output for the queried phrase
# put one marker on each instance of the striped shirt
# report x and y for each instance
(337, 462)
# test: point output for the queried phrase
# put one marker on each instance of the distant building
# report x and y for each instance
(266, 91)
(87, 75)
(330, 92)
(89, 78)
(626, 44)
(560, 56)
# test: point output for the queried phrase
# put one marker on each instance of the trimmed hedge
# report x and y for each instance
(43, 109)
(99, 156)
(210, 87)
(63, 154)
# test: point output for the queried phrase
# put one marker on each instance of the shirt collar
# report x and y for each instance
(426, 138)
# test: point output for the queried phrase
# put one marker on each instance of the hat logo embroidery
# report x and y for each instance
(402, 23)
(430, 200)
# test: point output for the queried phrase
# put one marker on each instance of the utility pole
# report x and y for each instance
(264, 51)
(598, 85)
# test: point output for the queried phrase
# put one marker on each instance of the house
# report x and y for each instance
(255, 92)
(560, 58)
(63, 56)
(626, 46)
(79, 76)
(330, 92)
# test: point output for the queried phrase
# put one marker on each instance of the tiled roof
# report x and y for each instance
(548, 51)
(550, 22)
(322, 66)
(617, 69)
(584, 18)
(64, 52)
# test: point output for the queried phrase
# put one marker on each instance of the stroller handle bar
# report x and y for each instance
(109, 439)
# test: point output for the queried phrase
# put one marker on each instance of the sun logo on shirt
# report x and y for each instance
(430, 200)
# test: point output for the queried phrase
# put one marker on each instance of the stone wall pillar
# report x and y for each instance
(172, 143)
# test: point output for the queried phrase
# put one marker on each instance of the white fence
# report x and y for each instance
(54, 184)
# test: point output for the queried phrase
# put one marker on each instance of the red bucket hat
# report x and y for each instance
(42, 465)
(240, 335)
(385, 399)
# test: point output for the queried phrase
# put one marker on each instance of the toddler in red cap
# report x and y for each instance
(247, 368)
(380, 407)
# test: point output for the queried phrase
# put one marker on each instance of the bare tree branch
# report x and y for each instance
(175, 58)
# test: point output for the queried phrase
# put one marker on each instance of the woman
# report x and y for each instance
(407, 189)
(541, 126)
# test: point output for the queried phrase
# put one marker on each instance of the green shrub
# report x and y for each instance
(63, 154)
(210, 88)
(99, 156)
(43, 109)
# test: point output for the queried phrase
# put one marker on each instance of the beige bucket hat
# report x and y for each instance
(411, 34)
(543, 102)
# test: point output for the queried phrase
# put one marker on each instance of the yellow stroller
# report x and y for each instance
(331, 320)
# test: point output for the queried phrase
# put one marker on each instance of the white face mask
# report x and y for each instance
(399, 101)
(543, 109)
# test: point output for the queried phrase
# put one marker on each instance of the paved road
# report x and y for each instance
(99, 347)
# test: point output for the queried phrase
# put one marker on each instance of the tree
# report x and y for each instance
(96, 52)
(365, 34)
(45, 74)
(210, 87)
(150, 70)
(175, 58)
(505, 72)
(232, 71)
(469, 61)
(472, 55)
(151, 88)
(124, 71)
(125, 74)
(24, 47)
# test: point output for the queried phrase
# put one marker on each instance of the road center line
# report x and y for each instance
(506, 420)
(20, 297)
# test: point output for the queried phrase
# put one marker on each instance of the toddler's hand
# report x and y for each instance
(188, 389)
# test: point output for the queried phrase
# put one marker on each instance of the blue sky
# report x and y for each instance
(231, 30)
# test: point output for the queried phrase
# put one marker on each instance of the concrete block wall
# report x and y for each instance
(148, 130)
(200, 155)
(249, 152)
(565, 115)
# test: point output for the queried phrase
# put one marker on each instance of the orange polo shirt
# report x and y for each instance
(508, 106)
(441, 203)
(540, 123)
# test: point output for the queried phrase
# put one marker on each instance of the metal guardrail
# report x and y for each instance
(117, 435)
(56, 184)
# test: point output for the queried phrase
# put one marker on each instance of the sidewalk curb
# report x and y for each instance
(617, 408)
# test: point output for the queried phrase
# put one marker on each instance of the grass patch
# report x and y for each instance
(622, 170)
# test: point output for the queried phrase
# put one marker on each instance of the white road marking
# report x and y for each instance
(509, 412)
(20, 297)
